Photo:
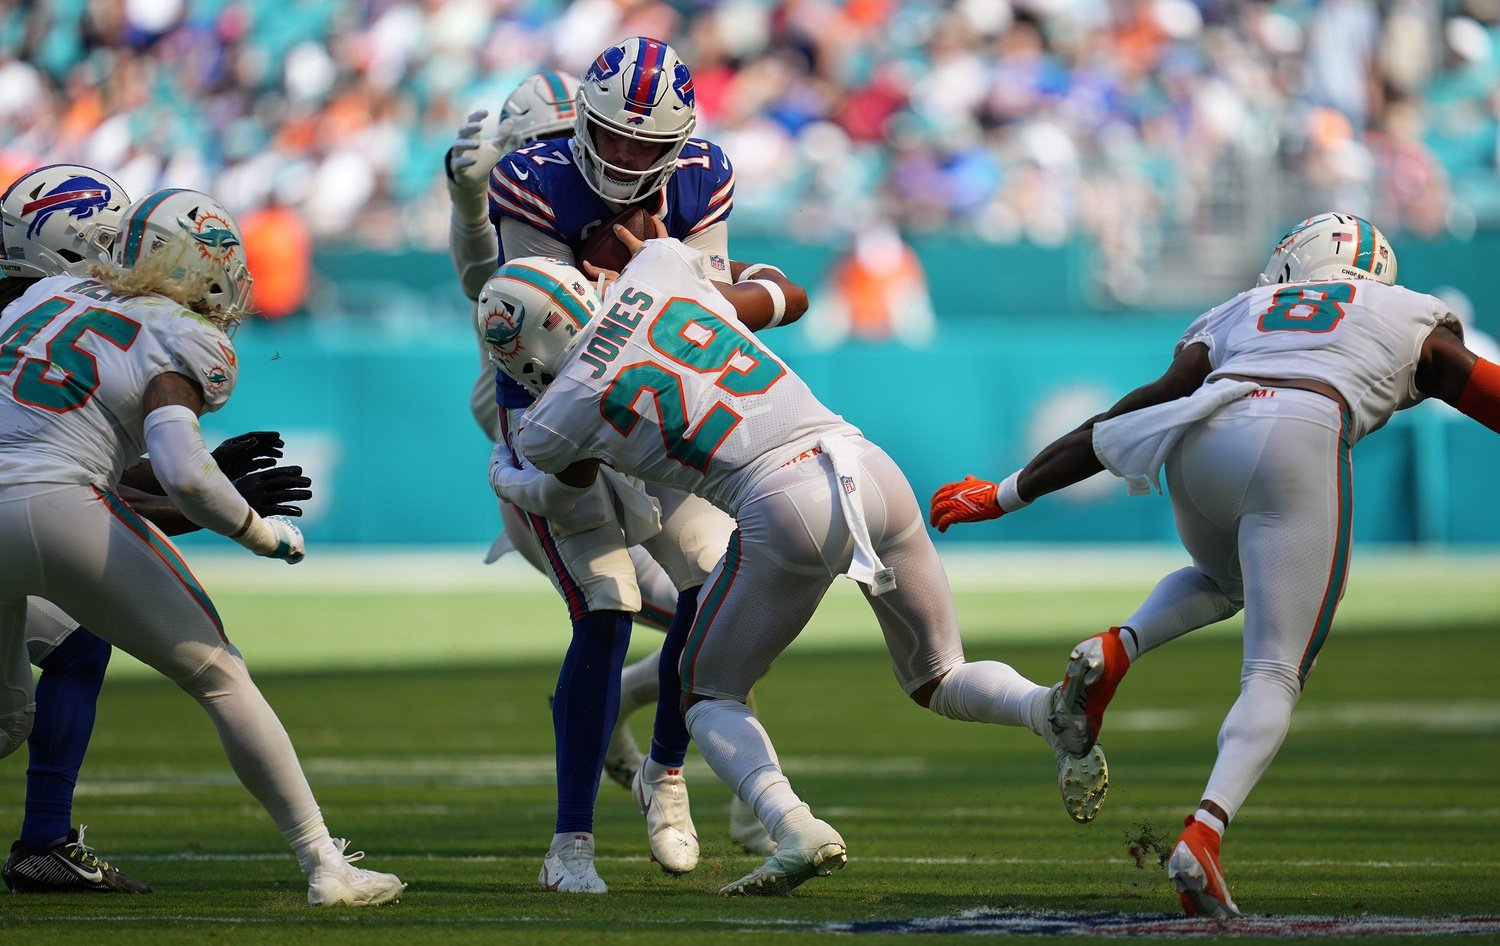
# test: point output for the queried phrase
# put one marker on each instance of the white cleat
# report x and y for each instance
(1083, 780)
(569, 866)
(814, 850)
(623, 758)
(669, 822)
(746, 830)
(336, 882)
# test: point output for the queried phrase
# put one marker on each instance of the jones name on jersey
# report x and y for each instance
(662, 383)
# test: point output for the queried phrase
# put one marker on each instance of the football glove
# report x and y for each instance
(468, 164)
(248, 452)
(290, 547)
(270, 492)
(969, 500)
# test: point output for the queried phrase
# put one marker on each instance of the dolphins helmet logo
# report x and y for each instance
(502, 329)
(212, 234)
(79, 197)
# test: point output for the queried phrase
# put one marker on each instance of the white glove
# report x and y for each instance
(529, 488)
(290, 546)
(469, 162)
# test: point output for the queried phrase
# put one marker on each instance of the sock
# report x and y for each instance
(669, 737)
(1131, 642)
(1209, 819)
(736, 747)
(988, 691)
(67, 696)
(584, 709)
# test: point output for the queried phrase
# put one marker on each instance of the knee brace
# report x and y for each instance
(14, 728)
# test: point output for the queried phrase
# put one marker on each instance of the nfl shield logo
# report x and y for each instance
(848, 483)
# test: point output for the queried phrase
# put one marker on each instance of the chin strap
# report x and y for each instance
(1480, 398)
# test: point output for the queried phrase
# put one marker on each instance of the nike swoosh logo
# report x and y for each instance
(93, 874)
(964, 496)
(520, 174)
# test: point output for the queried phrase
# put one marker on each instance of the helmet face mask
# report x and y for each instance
(209, 252)
(531, 313)
(59, 219)
(542, 106)
(1331, 246)
(639, 90)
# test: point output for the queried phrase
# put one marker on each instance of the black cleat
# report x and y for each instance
(66, 867)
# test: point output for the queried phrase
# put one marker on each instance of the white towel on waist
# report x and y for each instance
(639, 513)
(865, 567)
(1134, 446)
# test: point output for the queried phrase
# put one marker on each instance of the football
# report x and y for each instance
(606, 250)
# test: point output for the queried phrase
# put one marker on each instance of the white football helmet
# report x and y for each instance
(59, 219)
(542, 106)
(531, 314)
(1331, 246)
(641, 90)
(159, 219)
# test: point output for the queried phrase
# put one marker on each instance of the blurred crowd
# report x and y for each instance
(1135, 123)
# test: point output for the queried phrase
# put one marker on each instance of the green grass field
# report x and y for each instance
(420, 713)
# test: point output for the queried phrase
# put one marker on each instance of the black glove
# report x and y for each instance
(248, 453)
(269, 491)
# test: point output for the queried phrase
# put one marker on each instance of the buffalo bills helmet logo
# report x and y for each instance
(682, 84)
(606, 65)
(78, 197)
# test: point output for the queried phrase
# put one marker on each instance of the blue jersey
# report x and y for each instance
(540, 186)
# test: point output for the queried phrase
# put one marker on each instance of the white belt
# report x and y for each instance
(865, 567)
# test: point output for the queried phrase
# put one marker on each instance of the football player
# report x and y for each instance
(633, 117)
(60, 219)
(1254, 422)
(666, 384)
(93, 373)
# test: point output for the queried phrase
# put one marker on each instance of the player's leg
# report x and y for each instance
(1294, 502)
(639, 680)
(112, 570)
(921, 631)
(1204, 593)
(759, 598)
(592, 570)
(50, 854)
(692, 539)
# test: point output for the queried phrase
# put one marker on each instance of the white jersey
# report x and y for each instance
(668, 386)
(1360, 336)
(75, 360)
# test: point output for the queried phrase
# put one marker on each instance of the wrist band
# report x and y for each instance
(778, 299)
(1007, 497)
(749, 272)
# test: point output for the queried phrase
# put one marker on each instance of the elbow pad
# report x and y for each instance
(190, 476)
(475, 250)
(1480, 398)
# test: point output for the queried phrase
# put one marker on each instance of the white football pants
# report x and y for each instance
(1262, 494)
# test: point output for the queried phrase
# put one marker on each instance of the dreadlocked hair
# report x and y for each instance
(167, 272)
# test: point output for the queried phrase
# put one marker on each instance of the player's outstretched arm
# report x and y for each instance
(1447, 370)
(194, 482)
(472, 243)
(1068, 459)
(762, 295)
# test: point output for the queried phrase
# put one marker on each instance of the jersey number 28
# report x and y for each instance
(703, 343)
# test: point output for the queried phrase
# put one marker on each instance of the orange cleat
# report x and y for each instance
(1095, 668)
(1195, 872)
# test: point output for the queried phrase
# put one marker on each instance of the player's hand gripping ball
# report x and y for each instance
(605, 250)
